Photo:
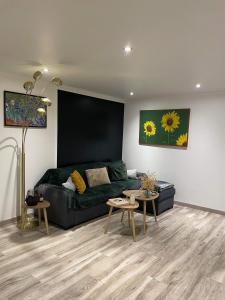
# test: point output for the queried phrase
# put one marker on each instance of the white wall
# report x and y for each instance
(41, 144)
(41, 150)
(198, 172)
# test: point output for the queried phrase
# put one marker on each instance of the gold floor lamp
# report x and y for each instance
(23, 221)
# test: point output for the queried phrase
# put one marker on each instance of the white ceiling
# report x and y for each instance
(176, 43)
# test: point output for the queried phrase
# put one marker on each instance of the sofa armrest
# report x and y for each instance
(163, 185)
(61, 201)
(141, 174)
(57, 195)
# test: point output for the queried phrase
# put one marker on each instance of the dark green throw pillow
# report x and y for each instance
(117, 171)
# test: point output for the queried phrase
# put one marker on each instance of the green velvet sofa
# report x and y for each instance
(68, 208)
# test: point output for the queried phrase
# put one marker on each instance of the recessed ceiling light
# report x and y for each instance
(131, 93)
(198, 85)
(127, 49)
(46, 70)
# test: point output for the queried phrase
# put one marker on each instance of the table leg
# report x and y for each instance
(144, 216)
(46, 219)
(122, 216)
(128, 217)
(39, 216)
(153, 205)
(133, 225)
(108, 221)
(23, 219)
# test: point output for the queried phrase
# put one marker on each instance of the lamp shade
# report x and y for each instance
(28, 86)
(37, 75)
(41, 110)
(57, 81)
(46, 101)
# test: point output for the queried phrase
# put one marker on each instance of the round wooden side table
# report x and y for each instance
(130, 209)
(42, 205)
(140, 196)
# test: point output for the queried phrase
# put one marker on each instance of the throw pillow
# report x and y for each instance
(69, 184)
(117, 171)
(97, 176)
(78, 182)
(132, 174)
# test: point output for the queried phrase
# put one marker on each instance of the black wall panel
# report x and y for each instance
(89, 129)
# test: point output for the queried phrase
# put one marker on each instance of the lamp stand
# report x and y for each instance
(24, 222)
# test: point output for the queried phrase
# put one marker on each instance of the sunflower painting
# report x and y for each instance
(182, 140)
(149, 128)
(164, 127)
(170, 121)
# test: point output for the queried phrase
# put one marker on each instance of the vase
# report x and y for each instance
(132, 199)
(148, 193)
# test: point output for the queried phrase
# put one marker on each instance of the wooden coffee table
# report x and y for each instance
(140, 196)
(130, 209)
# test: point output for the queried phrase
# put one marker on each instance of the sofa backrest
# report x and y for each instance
(59, 175)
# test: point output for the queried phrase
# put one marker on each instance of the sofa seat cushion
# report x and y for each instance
(98, 194)
(129, 184)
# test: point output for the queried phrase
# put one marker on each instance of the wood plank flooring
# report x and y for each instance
(182, 257)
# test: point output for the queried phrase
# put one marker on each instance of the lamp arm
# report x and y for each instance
(26, 99)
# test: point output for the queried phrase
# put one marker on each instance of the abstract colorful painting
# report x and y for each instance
(168, 127)
(21, 111)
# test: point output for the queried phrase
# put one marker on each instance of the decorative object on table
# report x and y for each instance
(19, 110)
(31, 198)
(34, 109)
(41, 198)
(164, 127)
(119, 201)
(148, 184)
(132, 199)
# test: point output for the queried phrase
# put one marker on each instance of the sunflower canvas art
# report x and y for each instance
(164, 127)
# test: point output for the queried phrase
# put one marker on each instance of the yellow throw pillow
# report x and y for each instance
(78, 182)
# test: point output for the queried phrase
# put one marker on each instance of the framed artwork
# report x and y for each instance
(168, 127)
(21, 111)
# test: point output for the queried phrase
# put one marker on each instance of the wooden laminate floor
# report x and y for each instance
(181, 257)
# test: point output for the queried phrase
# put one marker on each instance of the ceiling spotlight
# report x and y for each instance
(45, 70)
(127, 49)
(131, 93)
(198, 85)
